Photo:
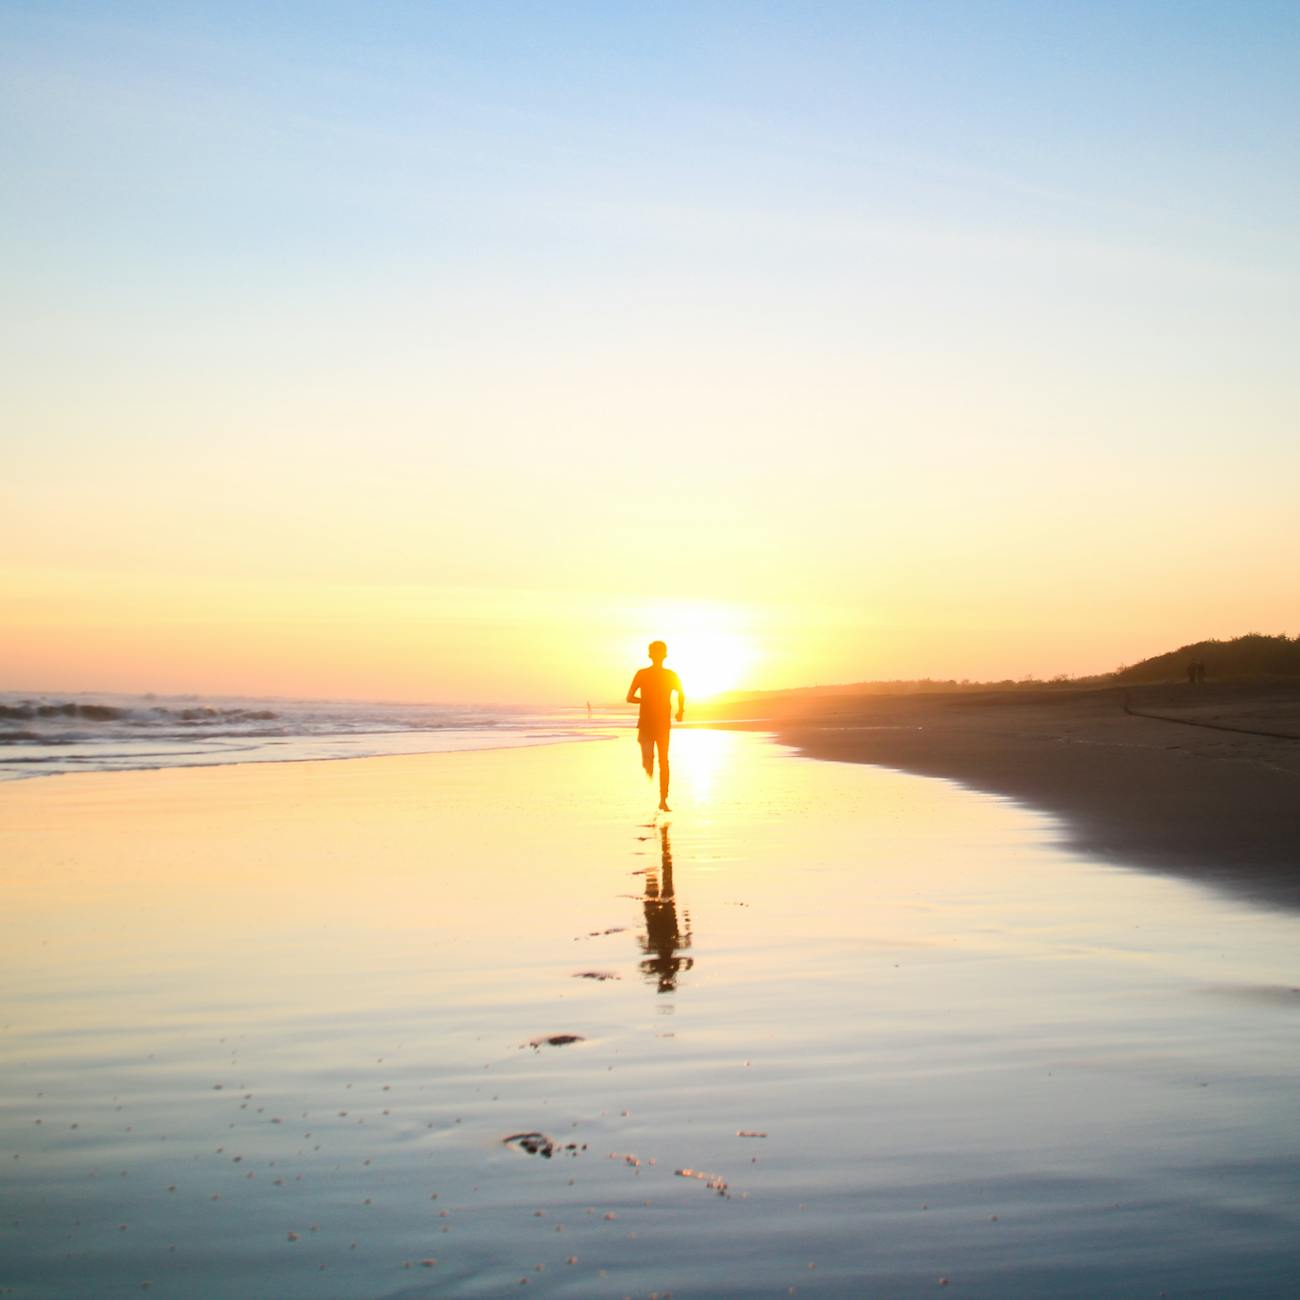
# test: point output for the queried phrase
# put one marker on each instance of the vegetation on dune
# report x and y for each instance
(1244, 658)
(1251, 656)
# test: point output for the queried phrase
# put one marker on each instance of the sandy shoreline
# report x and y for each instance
(274, 1030)
(1200, 790)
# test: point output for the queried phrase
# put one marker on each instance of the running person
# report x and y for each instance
(652, 688)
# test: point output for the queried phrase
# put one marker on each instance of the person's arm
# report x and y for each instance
(632, 696)
(681, 698)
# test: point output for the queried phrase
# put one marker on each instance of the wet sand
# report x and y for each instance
(460, 1024)
(1202, 783)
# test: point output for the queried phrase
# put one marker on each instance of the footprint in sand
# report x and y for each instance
(538, 1144)
(553, 1040)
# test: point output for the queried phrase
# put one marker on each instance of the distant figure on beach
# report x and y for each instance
(588, 710)
(652, 688)
(1196, 673)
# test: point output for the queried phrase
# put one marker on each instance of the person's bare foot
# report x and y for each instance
(663, 806)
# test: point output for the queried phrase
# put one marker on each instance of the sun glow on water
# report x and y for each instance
(700, 762)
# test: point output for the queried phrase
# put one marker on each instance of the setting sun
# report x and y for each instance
(709, 645)
(715, 661)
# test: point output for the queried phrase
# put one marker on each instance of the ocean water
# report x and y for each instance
(47, 735)
(477, 1024)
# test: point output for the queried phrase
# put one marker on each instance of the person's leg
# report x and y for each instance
(647, 754)
(662, 743)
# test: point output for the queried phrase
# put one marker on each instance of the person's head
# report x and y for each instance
(657, 651)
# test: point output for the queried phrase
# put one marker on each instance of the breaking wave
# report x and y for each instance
(42, 735)
(109, 713)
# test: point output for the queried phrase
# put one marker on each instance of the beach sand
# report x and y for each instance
(446, 1025)
(1200, 782)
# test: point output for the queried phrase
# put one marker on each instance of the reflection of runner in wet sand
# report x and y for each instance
(652, 688)
(663, 940)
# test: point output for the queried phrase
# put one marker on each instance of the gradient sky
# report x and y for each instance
(452, 351)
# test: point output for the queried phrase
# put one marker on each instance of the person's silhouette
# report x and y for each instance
(652, 688)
